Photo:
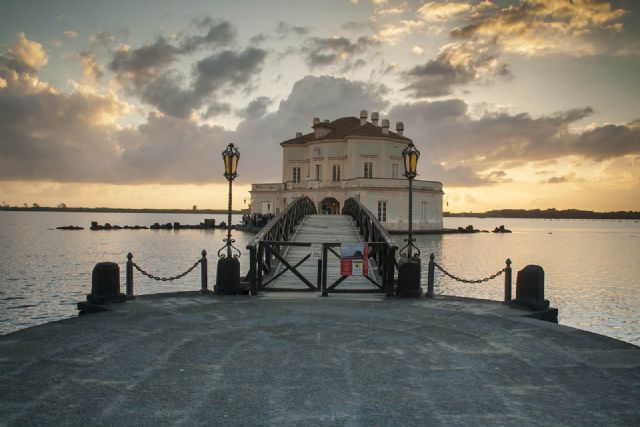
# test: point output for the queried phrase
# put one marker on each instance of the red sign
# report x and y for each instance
(353, 259)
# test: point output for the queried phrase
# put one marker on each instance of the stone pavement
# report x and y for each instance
(294, 359)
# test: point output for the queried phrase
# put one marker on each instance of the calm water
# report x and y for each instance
(591, 266)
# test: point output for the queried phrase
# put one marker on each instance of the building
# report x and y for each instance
(351, 157)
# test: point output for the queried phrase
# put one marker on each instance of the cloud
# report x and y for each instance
(91, 69)
(25, 56)
(324, 52)
(557, 179)
(256, 108)
(450, 137)
(434, 12)
(535, 27)
(283, 30)
(71, 34)
(457, 64)
(102, 38)
(146, 71)
(219, 33)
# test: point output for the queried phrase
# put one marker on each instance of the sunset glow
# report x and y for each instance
(516, 104)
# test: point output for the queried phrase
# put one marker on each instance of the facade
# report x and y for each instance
(351, 157)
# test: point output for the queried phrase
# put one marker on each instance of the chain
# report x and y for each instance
(486, 279)
(167, 279)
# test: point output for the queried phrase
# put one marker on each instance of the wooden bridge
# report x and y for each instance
(300, 251)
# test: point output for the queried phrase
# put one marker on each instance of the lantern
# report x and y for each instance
(231, 155)
(410, 156)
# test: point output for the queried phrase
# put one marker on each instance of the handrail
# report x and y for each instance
(291, 214)
(277, 230)
(363, 216)
(373, 232)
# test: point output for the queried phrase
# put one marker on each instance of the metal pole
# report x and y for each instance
(431, 276)
(252, 270)
(507, 281)
(229, 223)
(203, 273)
(129, 276)
(410, 218)
(324, 270)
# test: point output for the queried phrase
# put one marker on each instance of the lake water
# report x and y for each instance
(592, 267)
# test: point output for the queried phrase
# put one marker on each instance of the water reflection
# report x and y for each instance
(591, 267)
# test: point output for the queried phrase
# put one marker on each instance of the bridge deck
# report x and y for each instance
(317, 229)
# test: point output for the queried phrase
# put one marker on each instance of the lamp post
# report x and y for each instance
(410, 156)
(409, 265)
(228, 273)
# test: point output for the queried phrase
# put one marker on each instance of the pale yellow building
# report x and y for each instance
(351, 157)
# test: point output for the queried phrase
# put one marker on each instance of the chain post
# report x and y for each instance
(507, 281)
(431, 276)
(203, 273)
(129, 276)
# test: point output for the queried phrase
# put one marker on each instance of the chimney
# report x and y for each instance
(298, 134)
(374, 118)
(316, 120)
(400, 128)
(363, 117)
(385, 126)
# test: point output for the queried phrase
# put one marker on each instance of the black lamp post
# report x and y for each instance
(228, 274)
(410, 155)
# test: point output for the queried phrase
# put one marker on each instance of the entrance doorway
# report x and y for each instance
(329, 206)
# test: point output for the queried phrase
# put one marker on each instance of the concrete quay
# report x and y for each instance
(299, 359)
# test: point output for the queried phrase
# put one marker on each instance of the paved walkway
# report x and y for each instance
(300, 359)
(321, 229)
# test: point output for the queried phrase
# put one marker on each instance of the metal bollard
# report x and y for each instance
(431, 276)
(507, 281)
(129, 276)
(203, 274)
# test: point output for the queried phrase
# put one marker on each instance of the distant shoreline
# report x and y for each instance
(122, 210)
(501, 213)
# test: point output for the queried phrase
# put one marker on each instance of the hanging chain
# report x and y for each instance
(486, 279)
(167, 279)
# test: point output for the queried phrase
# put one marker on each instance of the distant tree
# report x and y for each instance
(195, 207)
(35, 205)
(62, 205)
(25, 205)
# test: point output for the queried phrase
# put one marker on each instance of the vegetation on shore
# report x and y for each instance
(547, 214)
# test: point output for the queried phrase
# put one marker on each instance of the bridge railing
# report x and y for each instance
(277, 230)
(384, 249)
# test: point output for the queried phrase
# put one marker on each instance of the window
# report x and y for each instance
(368, 169)
(423, 212)
(296, 175)
(318, 172)
(382, 211)
(336, 173)
(394, 171)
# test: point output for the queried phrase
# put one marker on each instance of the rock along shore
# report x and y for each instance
(292, 359)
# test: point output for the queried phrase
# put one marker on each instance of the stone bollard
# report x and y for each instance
(105, 284)
(530, 288)
(228, 277)
(409, 278)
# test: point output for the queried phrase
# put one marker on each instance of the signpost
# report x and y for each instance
(353, 259)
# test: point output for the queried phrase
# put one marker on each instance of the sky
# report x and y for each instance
(513, 104)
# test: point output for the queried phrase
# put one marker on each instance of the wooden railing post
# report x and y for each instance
(324, 270)
(431, 276)
(507, 281)
(129, 276)
(252, 270)
(390, 270)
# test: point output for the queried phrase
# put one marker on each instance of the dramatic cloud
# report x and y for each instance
(323, 52)
(256, 108)
(102, 38)
(145, 72)
(434, 12)
(284, 30)
(457, 64)
(451, 138)
(535, 27)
